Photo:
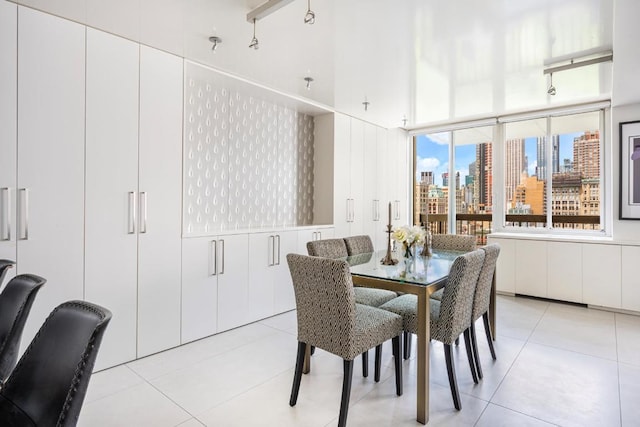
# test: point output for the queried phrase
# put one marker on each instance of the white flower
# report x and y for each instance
(409, 235)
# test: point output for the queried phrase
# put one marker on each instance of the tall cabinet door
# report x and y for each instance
(112, 186)
(356, 168)
(8, 130)
(51, 101)
(160, 201)
(341, 175)
(233, 281)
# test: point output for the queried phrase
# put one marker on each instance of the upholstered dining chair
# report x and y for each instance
(16, 300)
(454, 242)
(5, 265)
(329, 318)
(481, 301)
(48, 385)
(338, 248)
(450, 317)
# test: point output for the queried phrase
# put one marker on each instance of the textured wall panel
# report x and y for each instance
(248, 163)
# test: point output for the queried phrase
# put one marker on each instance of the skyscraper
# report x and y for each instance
(541, 149)
(586, 154)
(483, 178)
(515, 164)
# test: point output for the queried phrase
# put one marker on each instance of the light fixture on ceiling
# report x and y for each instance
(366, 104)
(404, 120)
(216, 41)
(254, 41)
(266, 9)
(310, 16)
(552, 89)
(308, 80)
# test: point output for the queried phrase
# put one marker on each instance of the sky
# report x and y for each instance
(433, 155)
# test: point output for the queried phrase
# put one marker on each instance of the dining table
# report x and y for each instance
(418, 275)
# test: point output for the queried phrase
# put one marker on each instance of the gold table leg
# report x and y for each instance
(423, 357)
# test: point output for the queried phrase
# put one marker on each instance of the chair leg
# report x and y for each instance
(407, 345)
(376, 375)
(365, 364)
(472, 364)
(346, 393)
(474, 344)
(458, 341)
(451, 371)
(398, 362)
(297, 376)
(487, 330)
(313, 349)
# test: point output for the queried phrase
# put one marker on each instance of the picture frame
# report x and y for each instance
(630, 170)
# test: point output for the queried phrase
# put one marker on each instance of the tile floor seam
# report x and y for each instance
(525, 414)
(120, 390)
(573, 351)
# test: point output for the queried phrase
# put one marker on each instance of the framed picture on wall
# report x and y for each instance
(630, 170)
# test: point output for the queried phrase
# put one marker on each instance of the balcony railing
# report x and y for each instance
(480, 225)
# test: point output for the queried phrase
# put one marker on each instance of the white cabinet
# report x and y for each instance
(601, 275)
(531, 268)
(375, 200)
(564, 271)
(50, 166)
(342, 200)
(215, 289)
(506, 265)
(160, 187)
(8, 130)
(400, 176)
(270, 288)
(630, 278)
(309, 234)
(133, 170)
(111, 189)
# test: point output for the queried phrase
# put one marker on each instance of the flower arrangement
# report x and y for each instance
(409, 236)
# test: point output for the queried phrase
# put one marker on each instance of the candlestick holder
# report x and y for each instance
(426, 250)
(388, 259)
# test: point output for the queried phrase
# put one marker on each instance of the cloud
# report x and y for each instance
(532, 168)
(427, 163)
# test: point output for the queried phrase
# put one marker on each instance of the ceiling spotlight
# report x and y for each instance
(308, 80)
(254, 40)
(366, 104)
(404, 121)
(552, 89)
(216, 41)
(310, 16)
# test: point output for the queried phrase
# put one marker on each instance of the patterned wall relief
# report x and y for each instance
(248, 163)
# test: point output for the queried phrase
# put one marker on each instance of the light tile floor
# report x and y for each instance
(557, 364)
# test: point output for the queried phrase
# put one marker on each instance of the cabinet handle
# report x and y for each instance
(397, 216)
(5, 218)
(213, 258)
(320, 235)
(143, 212)
(374, 211)
(223, 255)
(278, 239)
(348, 210)
(313, 236)
(23, 205)
(132, 213)
(270, 249)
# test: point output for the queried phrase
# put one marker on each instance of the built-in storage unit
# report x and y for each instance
(594, 273)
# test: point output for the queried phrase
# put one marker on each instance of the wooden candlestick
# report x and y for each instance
(388, 259)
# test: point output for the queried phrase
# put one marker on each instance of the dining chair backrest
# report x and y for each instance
(50, 381)
(16, 300)
(457, 299)
(482, 296)
(358, 244)
(325, 303)
(5, 265)
(327, 248)
(453, 242)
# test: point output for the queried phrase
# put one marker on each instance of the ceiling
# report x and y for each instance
(426, 61)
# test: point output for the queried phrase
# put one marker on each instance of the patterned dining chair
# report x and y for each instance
(450, 317)
(358, 244)
(481, 301)
(329, 318)
(454, 242)
(337, 248)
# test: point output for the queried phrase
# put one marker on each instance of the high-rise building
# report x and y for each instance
(565, 193)
(457, 181)
(586, 154)
(542, 158)
(426, 177)
(483, 188)
(514, 166)
(445, 179)
(530, 192)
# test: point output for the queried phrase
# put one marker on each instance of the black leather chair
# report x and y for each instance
(16, 300)
(5, 265)
(49, 383)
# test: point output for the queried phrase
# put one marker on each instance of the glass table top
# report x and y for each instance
(417, 270)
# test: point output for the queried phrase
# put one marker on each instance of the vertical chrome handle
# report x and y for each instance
(313, 235)
(223, 255)
(270, 256)
(213, 258)
(278, 239)
(348, 210)
(23, 205)
(373, 210)
(320, 235)
(143, 212)
(132, 213)
(5, 215)
(377, 210)
(397, 216)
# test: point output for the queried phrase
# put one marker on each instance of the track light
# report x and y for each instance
(216, 41)
(308, 80)
(310, 16)
(254, 41)
(552, 89)
(366, 104)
